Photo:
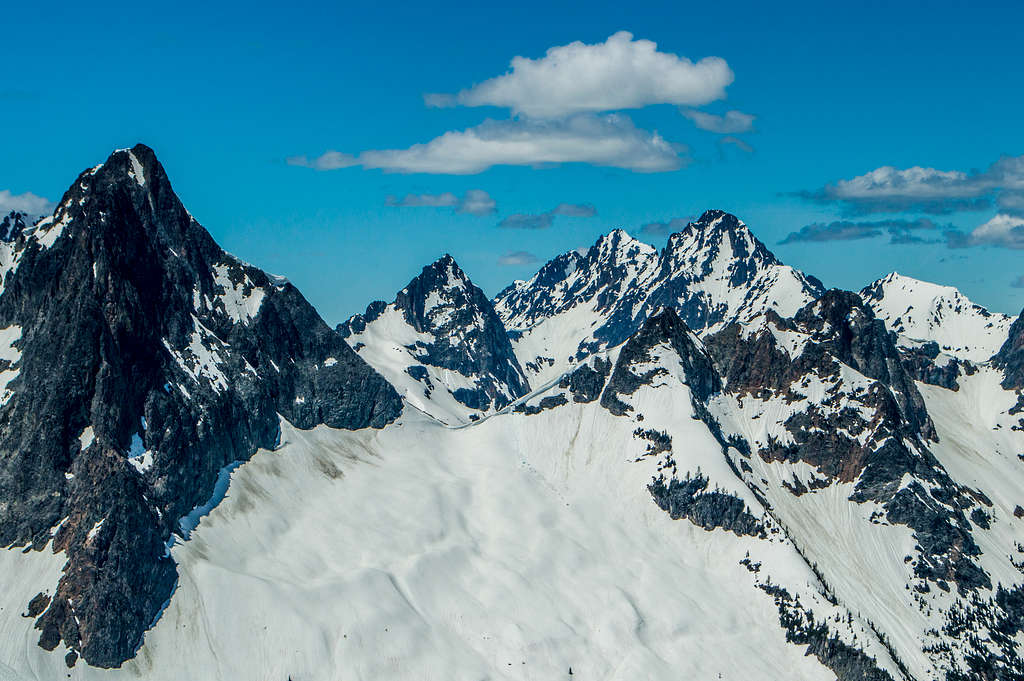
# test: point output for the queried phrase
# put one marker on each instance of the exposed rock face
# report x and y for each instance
(13, 225)
(926, 363)
(869, 425)
(1010, 357)
(442, 332)
(634, 367)
(691, 499)
(145, 359)
(713, 272)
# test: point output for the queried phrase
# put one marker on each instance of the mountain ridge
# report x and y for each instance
(717, 450)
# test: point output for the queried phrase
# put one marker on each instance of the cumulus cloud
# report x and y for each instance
(620, 73)
(665, 228)
(546, 219)
(899, 231)
(732, 122)
(473, 202)
(27, 203)
(517, 258)
(1004, 231)
(609, 140)
(889, 189)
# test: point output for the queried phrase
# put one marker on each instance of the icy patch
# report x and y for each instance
(241, 302)
(86, 438)
(11, 355)
(94, 531)
(136, 172)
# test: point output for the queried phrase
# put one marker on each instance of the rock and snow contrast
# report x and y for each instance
(713, 272)
(923, 312)
(693, 463)
(441, 345)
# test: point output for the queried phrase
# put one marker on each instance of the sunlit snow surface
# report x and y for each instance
(511, 549)
(920, 310)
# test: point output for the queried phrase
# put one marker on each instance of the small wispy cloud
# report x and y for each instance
(473, 202)
(730, 123)
(329, 160)
(665, 228)
(1018, 282)
(27, 203)
(900, 231)
(546, 219)
(518, 258)
(736, 142)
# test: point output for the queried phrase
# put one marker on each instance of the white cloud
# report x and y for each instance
(27, 203)
(610, 140)
(477, 202)
(329, 160)
(473, 202)
(911, 183)
(731, 122)
(620, 73)
(1006, 231)
(517, 258)
(890, 189)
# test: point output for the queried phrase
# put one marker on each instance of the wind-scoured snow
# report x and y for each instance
(922, 311)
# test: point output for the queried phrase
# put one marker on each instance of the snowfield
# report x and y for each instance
(516, 548)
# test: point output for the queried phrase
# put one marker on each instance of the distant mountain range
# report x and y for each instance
(693, 462)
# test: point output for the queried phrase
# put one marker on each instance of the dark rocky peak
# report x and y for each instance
(439, 291)
(460, 331)
(13, 226)
(1010, 357)
(609, 270)
(841, 324)
(148, 361)
(636, 365)
(716, 236)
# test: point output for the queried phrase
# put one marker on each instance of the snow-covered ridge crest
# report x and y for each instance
(922, 311)
(713, 272)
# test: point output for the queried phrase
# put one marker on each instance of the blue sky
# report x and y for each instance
(235, 99)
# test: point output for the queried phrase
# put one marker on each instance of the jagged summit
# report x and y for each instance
(922, 311)
(714, 234)
(143, 360)
(711, 273)
(441, 344)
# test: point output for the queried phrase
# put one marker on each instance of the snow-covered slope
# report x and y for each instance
(721, 470)
(527, 546)
(713, 272)
(922, 311)
(441, 345)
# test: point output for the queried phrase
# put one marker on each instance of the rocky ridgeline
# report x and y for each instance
(147, 360)
(450, 326)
